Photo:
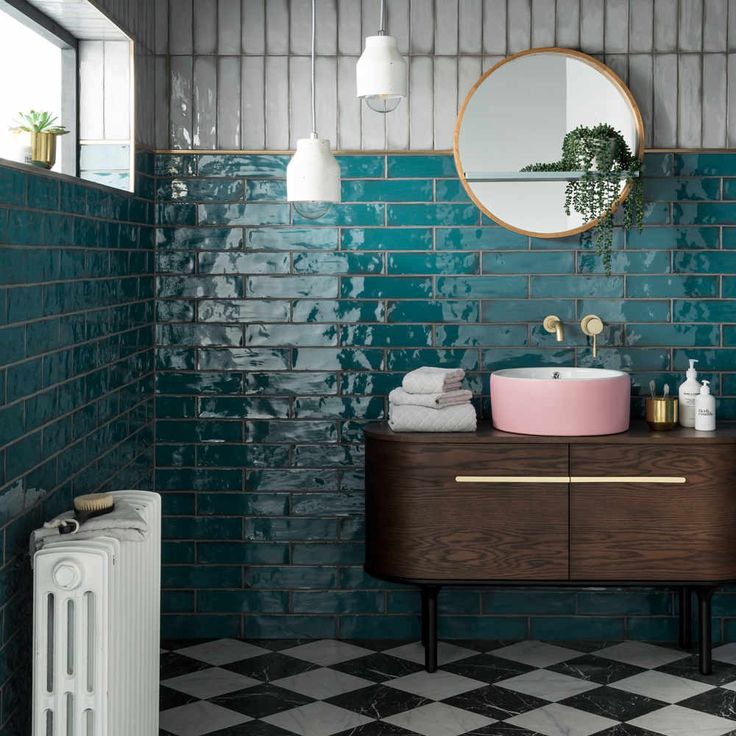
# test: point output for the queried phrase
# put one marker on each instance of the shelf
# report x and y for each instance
(492, 176)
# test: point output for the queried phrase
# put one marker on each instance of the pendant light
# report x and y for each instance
(381, 71)
(313, 174)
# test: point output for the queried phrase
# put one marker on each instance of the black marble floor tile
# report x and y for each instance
(717, 702)
(173, 665)
(596, 669)
(502, 729)
(378, 645)
(262, 700)
(496, 702)
(271, 666)
(168, 698)
(378, 701)
(378, 667)
(626, 729)
(377, 729)
(614, 704)
(252, 728)
(487, 668)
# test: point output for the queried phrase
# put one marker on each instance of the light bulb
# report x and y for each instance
(383, 103)
(312, 210)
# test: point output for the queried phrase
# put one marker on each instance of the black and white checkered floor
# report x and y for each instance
(377, 688)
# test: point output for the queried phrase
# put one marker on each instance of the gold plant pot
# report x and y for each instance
(43, 150)
(662, 412)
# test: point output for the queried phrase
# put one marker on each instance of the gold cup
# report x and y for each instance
(662, 412)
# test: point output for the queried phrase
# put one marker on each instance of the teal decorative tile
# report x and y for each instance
(386, 238)
(577, 286)
(292, 286)
(435, 263)
(704, 310)
(13, 185)
(529, 262)
(378, 190)
(290, 384)
(201, 190)
(199, 286)
(527, 310)
(257, 213)
(431, 214)
(242, 164)
(673, 189)
(450, 190)
(704, 164)
(500, 358)
(386, 335)
(659, 164)
(326, 263)
(626, 603)
(563, 628)
(443, 310)
(362, 165)
(705, 213)
(548, 602)
(243, 601)
(620, 310)
(265, 190)
(480, 335)
(479, 238)
(292, 238)
(482, 286)
(495, 628)
(377, 287)
(671, 286)
(408, 360)
(282, 334)
(704, 262)
(644, 261)
(440, 165)
(673, 335)
(245, 310)
(326, 310)
(343, 359)
(245, 263)
(347, 215)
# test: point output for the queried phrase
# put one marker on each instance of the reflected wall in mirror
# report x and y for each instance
(520, 114)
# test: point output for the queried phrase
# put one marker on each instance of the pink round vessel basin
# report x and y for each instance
(560, 401)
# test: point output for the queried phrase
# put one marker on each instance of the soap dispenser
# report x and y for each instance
(689, 391)
(705, 409)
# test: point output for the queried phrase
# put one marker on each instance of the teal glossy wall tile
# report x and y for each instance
(386, 238)
(288, 334)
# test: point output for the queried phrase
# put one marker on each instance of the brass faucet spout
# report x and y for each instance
(552, 323)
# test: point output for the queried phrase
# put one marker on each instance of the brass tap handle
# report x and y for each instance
(552, 323)
(592, 326)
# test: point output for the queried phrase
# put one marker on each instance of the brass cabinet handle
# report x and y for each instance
(512, 478)
(538, 479)
(651, 479)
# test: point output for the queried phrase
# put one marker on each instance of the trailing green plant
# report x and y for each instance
(606, 161)
(38, 122)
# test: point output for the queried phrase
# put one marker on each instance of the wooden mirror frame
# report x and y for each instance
(599, 66)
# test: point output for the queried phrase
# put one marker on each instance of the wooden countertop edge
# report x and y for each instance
(638, 433)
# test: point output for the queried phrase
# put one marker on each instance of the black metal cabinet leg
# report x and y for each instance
(686, 618)
(429, 609)
(704, 612)
(425, 630)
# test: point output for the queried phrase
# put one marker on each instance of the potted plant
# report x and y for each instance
(44, 131)
(605, 159)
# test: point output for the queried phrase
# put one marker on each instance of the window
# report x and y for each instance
(33, 80)
(69, 59)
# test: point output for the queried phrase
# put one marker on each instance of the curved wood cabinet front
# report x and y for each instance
(424, 524)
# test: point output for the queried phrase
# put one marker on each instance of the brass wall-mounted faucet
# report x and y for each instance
(592, 326)
(552, 323)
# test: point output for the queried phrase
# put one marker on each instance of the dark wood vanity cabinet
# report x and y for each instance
(493, 508)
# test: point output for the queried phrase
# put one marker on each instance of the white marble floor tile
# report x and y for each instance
(327, 652)
(435, 686)
(661, 686)
(677, 721)
(322, 683)
(446, 652)
(560, 720)
(208, 683)
(202, 717)
(548, 685)
(726, 653)
(536, 653)
(222, 651)
(317, 719)
(439, 719)
(641, 654)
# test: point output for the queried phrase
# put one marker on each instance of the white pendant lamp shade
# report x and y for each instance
(313, 178)
(381, 74)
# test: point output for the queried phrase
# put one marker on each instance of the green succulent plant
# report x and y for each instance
(38, 122)
(606, 160)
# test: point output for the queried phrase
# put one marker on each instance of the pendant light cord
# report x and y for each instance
(314, 35)
(382, 27)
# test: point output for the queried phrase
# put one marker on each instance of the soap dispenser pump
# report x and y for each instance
(688, 393)
(705, 409)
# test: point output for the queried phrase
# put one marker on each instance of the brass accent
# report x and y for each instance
(557, 479)
(592, 326)
(552, 323)
(603, 69)
(661, 412)
(651, 479)
(512, 479)
(43, 150)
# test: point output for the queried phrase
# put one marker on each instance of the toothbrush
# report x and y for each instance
(652, 388)
(666, 390)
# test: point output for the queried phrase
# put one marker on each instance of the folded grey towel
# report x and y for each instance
(458, 418)
(428, 380)
(434, 401)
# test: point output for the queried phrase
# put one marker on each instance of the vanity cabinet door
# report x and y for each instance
(636, 520)
(425, 524)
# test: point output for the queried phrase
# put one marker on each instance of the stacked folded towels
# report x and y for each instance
(432, 400)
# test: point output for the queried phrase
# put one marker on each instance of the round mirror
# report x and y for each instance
(565, 116)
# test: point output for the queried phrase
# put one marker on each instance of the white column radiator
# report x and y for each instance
(96, 632)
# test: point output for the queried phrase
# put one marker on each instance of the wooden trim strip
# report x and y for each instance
(512, 479)
(649, 479)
